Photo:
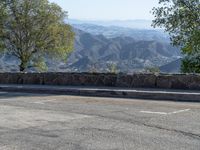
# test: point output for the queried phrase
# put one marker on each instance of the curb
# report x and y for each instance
(150, 94)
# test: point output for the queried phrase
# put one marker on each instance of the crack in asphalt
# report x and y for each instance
(135, 122)
(196, 136)
(163, 128)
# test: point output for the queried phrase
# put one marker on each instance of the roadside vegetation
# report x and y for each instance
(153, 69)
(181, 19)
(34, 30)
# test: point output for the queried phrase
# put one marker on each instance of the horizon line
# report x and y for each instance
(87, 19)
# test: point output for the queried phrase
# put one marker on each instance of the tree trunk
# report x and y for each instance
(22, 66)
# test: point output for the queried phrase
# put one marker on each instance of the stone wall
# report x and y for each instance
(173, 81)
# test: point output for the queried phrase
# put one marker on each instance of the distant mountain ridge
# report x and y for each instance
(172, 67)
(128, 54)
(96, 47)
(134, 24)
(114, 31)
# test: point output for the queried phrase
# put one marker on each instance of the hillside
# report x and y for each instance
(128, 54)
(115, 31)
(172, 67)
(94, 52)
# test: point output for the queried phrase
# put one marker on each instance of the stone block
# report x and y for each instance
(144, 81)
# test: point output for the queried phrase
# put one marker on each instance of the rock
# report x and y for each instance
(166, 81)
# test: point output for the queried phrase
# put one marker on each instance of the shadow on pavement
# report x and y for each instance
(8, 95)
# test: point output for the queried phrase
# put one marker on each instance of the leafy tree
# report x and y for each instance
(191, 63)
(153, 69)
(112, 68)
(34, 29)
(181, 19)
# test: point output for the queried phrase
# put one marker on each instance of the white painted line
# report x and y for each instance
(6, 99)
(164, 113)
(179, 111)
(151, 112)
(44, 101)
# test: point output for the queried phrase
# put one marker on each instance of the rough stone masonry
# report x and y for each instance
(168, 81)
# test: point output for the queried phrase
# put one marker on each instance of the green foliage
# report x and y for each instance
(181, 19)
(31, 30)
(38, 63)
(152, 70)
(2, 17)
(112, 68)
(191, 63)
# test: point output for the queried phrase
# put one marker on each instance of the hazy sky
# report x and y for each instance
(108, 9)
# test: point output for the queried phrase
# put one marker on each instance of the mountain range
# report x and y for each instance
(134, 24)
(97, 48)
(172, 67)
(115, 31)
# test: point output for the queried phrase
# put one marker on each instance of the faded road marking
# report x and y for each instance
(164, 113)
(179, 111)
(44, 101)
(151, 112)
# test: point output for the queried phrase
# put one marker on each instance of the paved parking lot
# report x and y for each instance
(53, 122)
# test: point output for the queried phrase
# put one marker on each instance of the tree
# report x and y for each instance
(32, 30)
(181, 19)
(191, 63)
(152, 69)
(112, 68)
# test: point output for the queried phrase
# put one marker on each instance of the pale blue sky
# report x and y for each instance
(108, 9)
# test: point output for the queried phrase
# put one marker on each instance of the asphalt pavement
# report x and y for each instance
(60, 122)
